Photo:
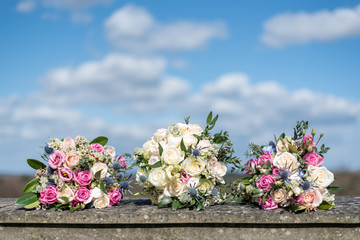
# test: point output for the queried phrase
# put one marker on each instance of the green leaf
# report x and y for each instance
(214, 120)
(98, 174)
(27, 199)
(32, 205)
(160, 149)
(100, 140)
(31, 186)
(257, 190)
(192, 202)
(65, 199)
(102, 186)
(156, 165)
(165, 201)
(265, 197)
(209, 118)
(36, 164)
(326, 205)
(236, 201)
(257, 195)
(199, 207)
(182, 145)
(176, 205)
(295, 208)
(334, 188)
(246, 181)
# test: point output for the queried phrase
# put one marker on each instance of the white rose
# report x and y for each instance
(286, 160)
(66, 192)
(193, 166)
(206, 185)
(195, 129)
(160, 134)
(157, 177)
(96, 193)
(67, 143)
(102, 202)
(174, 188)
(172, 155)
(151, 148)
(321, 176)
(97, 167)
(173, 141)
(218, 170)
(280, 197)
(205, 146)
(182, 127)
(111, 151)
(153, 159)
(189, 140)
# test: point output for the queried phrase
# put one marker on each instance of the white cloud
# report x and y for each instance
(80, 17)
(133, 28)
(26, 6)
(300, 28)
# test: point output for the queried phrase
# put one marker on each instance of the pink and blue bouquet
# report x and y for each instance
(287, 173)
(78, 174)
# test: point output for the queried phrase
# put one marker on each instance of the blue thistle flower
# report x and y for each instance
(48, 150)
(143, 178)
(117, 166)
(109, 181)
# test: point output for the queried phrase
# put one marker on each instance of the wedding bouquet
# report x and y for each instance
(80, 174)
(184, 165)
(287, 174)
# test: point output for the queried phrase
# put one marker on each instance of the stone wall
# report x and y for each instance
(138, 219)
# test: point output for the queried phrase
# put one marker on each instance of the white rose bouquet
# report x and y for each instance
(80, 174)
(184, 165)
(288, 173)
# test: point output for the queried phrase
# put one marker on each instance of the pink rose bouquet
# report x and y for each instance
(79, 174)
(287, 173)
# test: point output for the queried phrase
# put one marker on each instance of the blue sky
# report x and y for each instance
(124, 69)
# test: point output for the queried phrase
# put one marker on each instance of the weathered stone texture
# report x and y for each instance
(138, 219)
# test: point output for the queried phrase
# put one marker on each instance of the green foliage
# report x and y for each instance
(160, 149)
(299, 130)
(102, 186)
(296, 208)
(176, 205)
(330, 188)
(182, 145)
(98, 174)
(187, 119)
(164, 202)
(31, 186)
(325, 205)
(156, 165)
(36, 164)
(27, 200)
(65, 199)
(100, 140)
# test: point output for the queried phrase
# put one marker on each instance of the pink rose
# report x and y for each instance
(82, 195)
(264, 182)
(49, 195)
(314, 159)
(276, 172)
(312, 199)
(269, 203)
(308, 138)
(56, 159)
(122, 161)
(97, 147)
(65, 174)
(67, 143)
(72, 159)
(184, 176)
(251, 163)
(83, 178)
(114, 195)
(264, 159)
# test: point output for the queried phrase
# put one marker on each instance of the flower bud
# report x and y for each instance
(303, 132)
(313, 132)
(310, 148)
(321, 135)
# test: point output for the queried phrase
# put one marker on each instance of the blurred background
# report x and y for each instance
(123, 69)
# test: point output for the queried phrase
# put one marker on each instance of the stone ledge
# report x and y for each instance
(137, 218)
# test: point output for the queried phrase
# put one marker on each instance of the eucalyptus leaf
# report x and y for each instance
(100, 140)
(209, 118)
(31, 186)
(214, 120)
(36, 164)
(165, 201)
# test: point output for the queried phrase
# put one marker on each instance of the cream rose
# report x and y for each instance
(102, 202)
(195, 129)
(189, 140)
(173, 141)
(151, 148)
(66, 192)
(172, 155)
(193, 182)
(193, 166)
(321, 176)
(67, 143)
(153, 159)
(72, 159)
(205, 146)
(111, 151)
(280, 197)
(313, 199)
(174, 188)
(157, 177)
(218, 170)
(182, 127)
(96, 193)
(160, 134)
(286, 160)
(206, 185)
(97, 167)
